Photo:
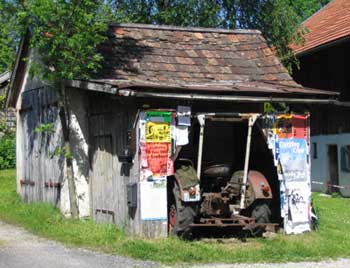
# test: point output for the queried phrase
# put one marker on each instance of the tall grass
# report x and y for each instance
(331, 241)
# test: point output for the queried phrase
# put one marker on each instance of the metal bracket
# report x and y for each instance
(201, 120)
(251, 121)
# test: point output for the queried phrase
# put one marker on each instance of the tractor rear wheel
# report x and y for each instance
(261, 211)
(181, 215)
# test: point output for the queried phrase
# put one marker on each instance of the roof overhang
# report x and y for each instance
(18, 72)
(301, 53)
(239, 92)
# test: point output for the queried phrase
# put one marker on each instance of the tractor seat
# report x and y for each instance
(220, 170)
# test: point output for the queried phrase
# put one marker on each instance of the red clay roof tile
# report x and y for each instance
(329, 24)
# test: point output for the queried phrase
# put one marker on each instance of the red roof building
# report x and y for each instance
(329, 25)
(324, 64)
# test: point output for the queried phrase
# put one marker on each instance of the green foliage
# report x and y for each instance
(7, 151)
(2, 101)
(10, 33)
(65, 35)
(45, 128)
(331, 241)
(66, 32)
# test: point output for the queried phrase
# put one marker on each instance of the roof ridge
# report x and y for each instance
(185, 29)
(318, 11)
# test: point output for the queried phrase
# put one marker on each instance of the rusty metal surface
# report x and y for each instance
(243, 222)
(267, 225)
(259, 185)
(27, 182)
(215, 204)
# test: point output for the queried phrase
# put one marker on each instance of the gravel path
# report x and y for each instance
(20, 249)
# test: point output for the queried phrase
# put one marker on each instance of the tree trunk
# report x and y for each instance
(64, 117)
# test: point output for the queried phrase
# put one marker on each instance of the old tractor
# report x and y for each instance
(216, 195)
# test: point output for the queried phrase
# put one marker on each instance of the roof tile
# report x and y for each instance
(183, 56)
(327, 25)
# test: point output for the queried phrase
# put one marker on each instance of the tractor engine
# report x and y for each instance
(221, 191)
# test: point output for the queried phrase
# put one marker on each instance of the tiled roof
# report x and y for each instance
(329, 24)
(190, 57)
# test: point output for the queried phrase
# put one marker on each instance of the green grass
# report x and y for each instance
(331, 241)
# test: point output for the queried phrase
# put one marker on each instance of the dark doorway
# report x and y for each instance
(333, 168)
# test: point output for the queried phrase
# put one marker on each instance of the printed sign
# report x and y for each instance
(153, 200)
(288, 139)
(300, 127)
(291, 126)
(158, 132)
(292, 154)
(158, 158)
(283, 127)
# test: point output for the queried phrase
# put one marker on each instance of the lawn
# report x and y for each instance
(331, 241)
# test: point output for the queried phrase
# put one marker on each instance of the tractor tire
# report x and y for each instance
(184, 215)
(261, 211)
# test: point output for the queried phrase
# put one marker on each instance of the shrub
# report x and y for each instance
(7, 151)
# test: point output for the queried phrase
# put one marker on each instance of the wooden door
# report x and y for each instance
(102, 186)
(41, 168)
(333, 165)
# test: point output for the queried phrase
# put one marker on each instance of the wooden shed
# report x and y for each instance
(145, 68)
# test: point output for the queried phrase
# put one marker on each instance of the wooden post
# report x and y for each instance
(64, 117)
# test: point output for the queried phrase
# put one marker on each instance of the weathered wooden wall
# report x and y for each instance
(110, 121)
(41, 169)
(327, 69)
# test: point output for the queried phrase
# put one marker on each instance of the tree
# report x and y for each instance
(64, 35)
(9, 34)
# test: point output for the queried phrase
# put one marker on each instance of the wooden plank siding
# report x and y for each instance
(42, 170)
(109, 122)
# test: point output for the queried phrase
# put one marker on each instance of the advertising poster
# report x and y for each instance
(153, 200)
(292, 155)
(156, 129)
(290, 145)
(158, 132)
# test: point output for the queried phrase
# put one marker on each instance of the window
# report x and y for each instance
(345, 158)
(314, 150)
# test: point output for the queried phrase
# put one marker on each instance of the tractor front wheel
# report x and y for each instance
(181, 215)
